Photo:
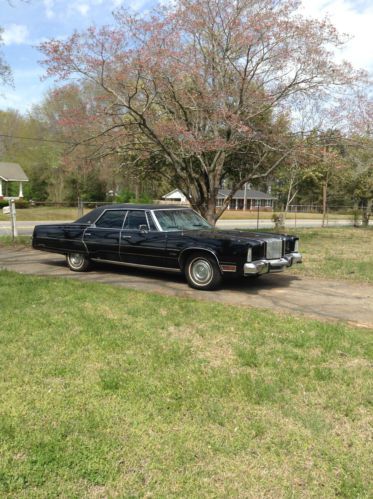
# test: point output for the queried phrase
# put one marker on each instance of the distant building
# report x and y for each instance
(176, 196)
(11, 172)
(249, 200)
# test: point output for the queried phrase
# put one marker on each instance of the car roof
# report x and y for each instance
(93, 215)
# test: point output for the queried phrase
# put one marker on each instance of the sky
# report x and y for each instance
(29, 22)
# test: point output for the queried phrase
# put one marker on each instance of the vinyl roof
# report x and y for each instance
(95, 213)
(12, 172)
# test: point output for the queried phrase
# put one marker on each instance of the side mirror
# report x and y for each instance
(143, 229)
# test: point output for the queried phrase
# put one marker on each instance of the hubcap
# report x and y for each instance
(201, 271)
(76, 259)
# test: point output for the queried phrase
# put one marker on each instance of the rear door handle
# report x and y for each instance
(126, 237)
(88, 234)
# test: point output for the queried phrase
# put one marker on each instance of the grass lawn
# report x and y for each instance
(113, 393)
(43, 213)
(339, 253)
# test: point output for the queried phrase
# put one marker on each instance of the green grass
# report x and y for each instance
(112, 393)
(44, 213)
(18, 241)
(339, 253)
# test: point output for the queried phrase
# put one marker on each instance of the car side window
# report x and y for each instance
(111, 219)
(134, 219)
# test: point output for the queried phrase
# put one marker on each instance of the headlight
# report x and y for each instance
(249, 255)
(296, 245)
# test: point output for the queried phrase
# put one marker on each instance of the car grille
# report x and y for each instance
(274, 248)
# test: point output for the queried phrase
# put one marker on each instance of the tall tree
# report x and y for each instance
(200, 87)
(5, 73)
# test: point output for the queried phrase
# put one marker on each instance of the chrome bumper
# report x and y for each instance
(277, 265)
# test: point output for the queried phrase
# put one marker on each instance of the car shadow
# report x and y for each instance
(164, 279)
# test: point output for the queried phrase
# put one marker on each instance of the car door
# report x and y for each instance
(141, 243)
(102, 238)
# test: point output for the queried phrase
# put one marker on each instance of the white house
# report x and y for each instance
(248, 199)
(11, 172)
(176, 196)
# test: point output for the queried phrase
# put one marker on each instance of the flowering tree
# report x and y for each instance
(200, 90)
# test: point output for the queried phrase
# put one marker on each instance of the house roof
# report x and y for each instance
(11, 172)
(250, 194)
(173, 192)
(240, 194)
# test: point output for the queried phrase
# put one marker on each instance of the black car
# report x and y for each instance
(169, 238)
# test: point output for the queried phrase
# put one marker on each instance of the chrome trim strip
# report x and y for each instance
(198, 248)
(155, 219)
(127, 264)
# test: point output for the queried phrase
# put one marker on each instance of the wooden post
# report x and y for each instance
(80, 208)
(12, 208)
(257, 218)
(324, 202)
(245, 197)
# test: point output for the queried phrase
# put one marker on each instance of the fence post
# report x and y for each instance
(12, 209)
(80, 208)
(257, 219)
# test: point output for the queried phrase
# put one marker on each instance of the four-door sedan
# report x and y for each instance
(166, 238)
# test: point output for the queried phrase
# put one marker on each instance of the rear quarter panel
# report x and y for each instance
(59, 238)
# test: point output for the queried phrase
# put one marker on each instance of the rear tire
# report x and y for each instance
(202, 272)
(78, 262)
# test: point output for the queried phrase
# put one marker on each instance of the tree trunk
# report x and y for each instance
(209, 213)
(367, 211)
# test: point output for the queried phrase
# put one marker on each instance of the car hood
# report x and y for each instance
(236, 235)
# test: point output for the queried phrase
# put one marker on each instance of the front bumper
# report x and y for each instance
(278, 265)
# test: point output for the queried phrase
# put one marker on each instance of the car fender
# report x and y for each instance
(190, 249)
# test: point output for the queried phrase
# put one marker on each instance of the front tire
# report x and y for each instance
(77, 262)
(202, 272)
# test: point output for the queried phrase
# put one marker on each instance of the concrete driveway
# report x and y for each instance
(286, 292)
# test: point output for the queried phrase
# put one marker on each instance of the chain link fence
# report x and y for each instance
(297, 216)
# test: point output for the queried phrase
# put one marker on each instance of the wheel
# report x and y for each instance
(77, 262)
(202, 272)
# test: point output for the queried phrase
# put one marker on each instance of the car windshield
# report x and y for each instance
(180, 220)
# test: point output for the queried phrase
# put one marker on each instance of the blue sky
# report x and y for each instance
(28, 23)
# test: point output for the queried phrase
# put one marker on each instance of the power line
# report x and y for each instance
(36, 140)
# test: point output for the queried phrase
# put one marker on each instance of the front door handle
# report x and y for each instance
(126, 237)
(88, 234)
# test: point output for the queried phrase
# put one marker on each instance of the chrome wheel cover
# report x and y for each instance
(76, 260)
(201, 272)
